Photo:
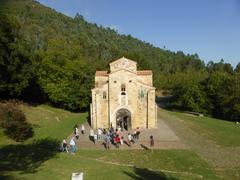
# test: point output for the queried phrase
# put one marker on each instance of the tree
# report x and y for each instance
(14, 123)
(189, 96)
(16, 68)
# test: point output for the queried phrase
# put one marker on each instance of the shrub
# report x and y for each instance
(14, 123)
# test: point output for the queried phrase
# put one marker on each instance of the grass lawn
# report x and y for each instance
(222, 132)
(128, 164)
(52, 122)
(38, 159)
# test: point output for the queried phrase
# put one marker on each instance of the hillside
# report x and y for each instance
(211, 154)
(42, 36)
(46, 56)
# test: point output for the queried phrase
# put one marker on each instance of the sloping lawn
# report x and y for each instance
(127, 164)
(222, 132)
(52, 122)
(38, 159)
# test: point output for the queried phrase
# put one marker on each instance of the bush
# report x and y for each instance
(14, 123)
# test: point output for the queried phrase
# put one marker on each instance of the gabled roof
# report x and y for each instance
(121, 70)
(122, 59)
(144, 72)
(101, 73)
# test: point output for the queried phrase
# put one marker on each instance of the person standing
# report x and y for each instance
(129, 139)
(74, 129)
(151, 141)
(121, 140)
(82, 129)
(91, 135)
(137, 133)
(117, 141)
(95, 138)
(99, 133)
(107, 142)
(72, 146)
(76, 133)
(64, 146)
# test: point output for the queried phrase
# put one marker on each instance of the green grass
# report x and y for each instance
(221, 132)
(39, 163)
(4, 140)
(52, 122)
(164, 164)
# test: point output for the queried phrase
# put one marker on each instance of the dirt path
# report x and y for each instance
(219, 157)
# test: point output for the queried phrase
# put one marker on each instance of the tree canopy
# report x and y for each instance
(49, 57)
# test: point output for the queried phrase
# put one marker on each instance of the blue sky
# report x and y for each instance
(210, 28)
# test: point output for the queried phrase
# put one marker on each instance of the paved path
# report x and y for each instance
(221, 158)
(164, 138)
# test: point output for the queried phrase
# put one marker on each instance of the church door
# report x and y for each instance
(123, 119)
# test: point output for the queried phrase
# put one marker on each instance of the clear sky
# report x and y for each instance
(210, 28)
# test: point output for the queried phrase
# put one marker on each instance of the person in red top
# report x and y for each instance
(117, 141)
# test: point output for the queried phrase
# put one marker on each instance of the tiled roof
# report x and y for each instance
(144, 72)
(101, 73)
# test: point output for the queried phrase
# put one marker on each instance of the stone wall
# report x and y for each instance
(137, 96)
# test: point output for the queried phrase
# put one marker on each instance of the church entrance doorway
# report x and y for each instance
(123, 119)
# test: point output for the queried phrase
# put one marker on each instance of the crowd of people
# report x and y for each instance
(108, 137)
(112, 136)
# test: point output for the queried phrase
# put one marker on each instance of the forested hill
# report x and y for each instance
(47, 56)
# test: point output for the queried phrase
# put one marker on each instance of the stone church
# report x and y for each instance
(123, 97)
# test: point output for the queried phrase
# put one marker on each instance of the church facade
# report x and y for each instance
(123, 97)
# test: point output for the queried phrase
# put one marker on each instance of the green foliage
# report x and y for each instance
(51, 54)
(14, 123)
(189, 96)
(64, 76)
(15, 64)
(215, 93)
(47, 56)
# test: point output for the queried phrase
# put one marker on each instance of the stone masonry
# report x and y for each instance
(123, 97)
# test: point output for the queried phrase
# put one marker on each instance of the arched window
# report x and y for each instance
(123, 87)
(123, 93)
(104, 95)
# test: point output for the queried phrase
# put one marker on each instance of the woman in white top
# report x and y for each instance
(82, 129)
(91, 135)
(76, 133)
(72, 145)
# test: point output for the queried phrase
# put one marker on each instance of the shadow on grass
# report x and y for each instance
(26, 158)
(145, 147)
(145, 174)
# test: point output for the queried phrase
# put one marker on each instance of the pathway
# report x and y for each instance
(164, 138)
(221, 158)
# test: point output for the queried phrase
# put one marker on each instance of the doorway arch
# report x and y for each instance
(123, 118)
